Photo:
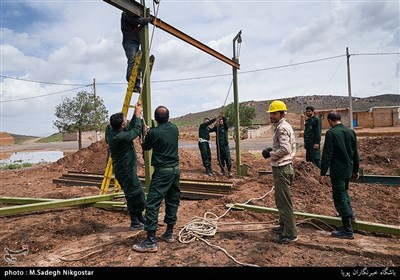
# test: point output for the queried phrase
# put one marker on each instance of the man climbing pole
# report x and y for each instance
(130, 28)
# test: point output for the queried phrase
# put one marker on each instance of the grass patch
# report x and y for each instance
(56, 137)
(15, 165)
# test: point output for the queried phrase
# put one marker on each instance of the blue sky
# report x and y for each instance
(51, 47)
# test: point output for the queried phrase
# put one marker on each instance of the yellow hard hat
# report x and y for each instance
(276, 106)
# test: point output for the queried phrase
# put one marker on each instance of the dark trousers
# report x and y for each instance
(205, 152)
(164, 185)
(224, 156)
(341, 198)
(283, 177)
(130, 52)
(313, 155)
(134, 194)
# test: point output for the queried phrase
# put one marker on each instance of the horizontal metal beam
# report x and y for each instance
(201, 189)
(367, 179)
(379, 179)
(138, 9)
(55, 204)
(128, 6)
(30, 200)
(389, 229)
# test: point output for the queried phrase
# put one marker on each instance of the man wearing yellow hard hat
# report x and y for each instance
(281, 153)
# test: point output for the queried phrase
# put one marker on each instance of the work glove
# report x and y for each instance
(266, 152)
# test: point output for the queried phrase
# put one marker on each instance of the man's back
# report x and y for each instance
(129, 28)
(341, 148)
(163, 139)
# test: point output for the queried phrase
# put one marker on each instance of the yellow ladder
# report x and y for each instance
(108, 173)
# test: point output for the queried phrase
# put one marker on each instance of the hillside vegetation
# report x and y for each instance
(297, 105)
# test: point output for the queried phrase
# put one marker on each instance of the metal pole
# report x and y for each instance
(94, 86)
(349, 88)
(146, 96)
(94, 92)
(236, 105)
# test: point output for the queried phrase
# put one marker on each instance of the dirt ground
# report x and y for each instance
(90, 236)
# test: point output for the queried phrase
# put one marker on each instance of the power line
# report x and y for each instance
(38, 82)
(212, 76)
(373, 53)
(32, 97)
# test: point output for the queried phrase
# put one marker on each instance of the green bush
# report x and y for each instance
(15, 165)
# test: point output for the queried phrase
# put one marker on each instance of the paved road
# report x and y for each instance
(72, 146)
(69, 146)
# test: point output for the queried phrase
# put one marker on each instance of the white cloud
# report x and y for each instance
(74, 42)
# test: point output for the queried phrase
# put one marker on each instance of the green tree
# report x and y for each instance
(83, 112)
(246, 116)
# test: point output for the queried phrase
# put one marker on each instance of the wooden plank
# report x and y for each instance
(55, 204)
(368, 226)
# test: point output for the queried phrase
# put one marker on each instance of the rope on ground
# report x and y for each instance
(62, 258)
(207, 226)
(308, 221)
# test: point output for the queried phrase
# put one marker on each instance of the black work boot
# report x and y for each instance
(136, 224)
(229, 172)
(208, 171)
(168, 234)
(345, 232)
(212, 171)
(277, 230)
(147, 245)
(137, 85)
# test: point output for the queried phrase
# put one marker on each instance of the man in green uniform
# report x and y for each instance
(163, 139)
(340, 155)
(204, 144)
(312, 137)
(223, 152)
(119, 136)
(281, 153)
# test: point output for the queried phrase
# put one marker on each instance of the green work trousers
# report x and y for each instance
(341, 198)
(283, 177)
(313, 155)
(134, 194)
(164, 185)
(224, 156)
(205, 153)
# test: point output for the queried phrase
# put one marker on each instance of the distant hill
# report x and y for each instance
(297, 105)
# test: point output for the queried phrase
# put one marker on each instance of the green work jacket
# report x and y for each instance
(340, 153)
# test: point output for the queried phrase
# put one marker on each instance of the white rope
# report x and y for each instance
(199, 227)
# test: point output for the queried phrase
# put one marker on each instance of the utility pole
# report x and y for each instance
(146, 96)
(349, 88)
(238, 39)
(94, 86)
(94, 92)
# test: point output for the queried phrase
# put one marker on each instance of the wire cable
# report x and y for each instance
(207, 226)
(37, 96)
(38, 82)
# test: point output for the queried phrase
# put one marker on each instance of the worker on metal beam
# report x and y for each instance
(130, 28)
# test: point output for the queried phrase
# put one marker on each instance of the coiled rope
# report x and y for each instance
(199, 227)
